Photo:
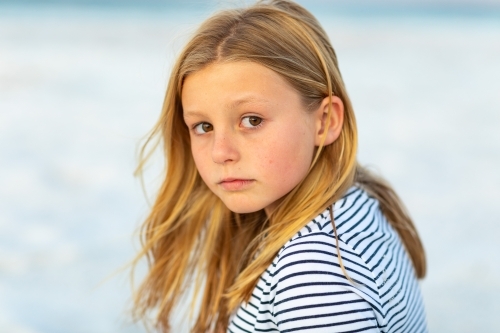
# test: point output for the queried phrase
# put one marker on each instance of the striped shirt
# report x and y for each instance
(305, 290)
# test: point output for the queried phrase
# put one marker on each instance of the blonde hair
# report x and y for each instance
(189, 235)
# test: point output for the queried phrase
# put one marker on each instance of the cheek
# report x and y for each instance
(287, 158)
(200, 159)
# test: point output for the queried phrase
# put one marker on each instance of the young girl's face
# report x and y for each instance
(251, 138)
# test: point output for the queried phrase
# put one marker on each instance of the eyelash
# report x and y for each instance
(257, 126)
(251, 128)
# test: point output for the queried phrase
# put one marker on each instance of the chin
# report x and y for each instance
(243, 207)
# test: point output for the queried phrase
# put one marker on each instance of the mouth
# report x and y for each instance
(235, 184)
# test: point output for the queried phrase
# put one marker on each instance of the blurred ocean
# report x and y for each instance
(81, 83)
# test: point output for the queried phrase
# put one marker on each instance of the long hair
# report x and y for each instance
(190, 237)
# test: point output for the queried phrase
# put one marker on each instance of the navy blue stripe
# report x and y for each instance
(328, 263)
(319, 242)
(241, 328)
(243, 320)
(347, 241)
(354, 215)
(325, 315)
(299, 285)
(293, 298)
(317, 306)
(362, 219)
(330, 254)
(328, 325)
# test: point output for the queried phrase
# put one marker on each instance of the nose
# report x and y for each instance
(224, 148)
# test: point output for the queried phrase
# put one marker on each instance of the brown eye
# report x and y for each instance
(251, 121)
(207, 127)
(203, 128)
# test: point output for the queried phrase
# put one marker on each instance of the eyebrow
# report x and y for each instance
(190, 114)
(245, 100)
(232, 105)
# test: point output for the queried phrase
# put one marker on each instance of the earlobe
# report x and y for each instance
(328, 128)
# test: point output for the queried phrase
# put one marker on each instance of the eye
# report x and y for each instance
(251, 121)
(203, 128)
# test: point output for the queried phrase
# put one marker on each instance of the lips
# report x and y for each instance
(235, 184)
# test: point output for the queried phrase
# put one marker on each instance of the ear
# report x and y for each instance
(336, 120)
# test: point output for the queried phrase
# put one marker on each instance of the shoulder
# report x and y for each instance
(352, 214)
(312, 256)
(365, 242)
(309, 287)
(359, 224)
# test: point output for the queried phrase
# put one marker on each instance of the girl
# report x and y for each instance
(264, 209)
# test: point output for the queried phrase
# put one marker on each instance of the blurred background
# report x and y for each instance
(82, 81)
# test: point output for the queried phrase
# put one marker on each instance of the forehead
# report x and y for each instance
(234, 84)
